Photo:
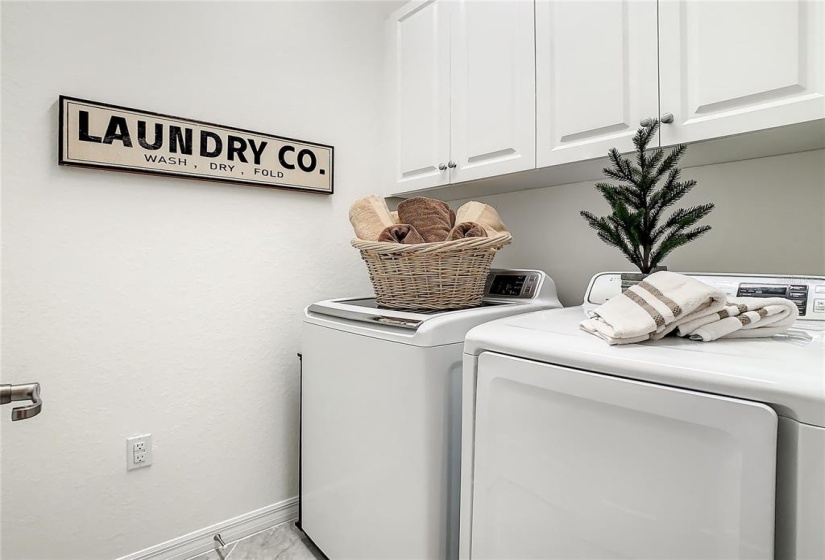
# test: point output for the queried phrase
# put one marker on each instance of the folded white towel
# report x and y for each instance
(653, 308)
(743, 318)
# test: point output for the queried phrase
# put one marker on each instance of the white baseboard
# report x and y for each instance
(201, 542)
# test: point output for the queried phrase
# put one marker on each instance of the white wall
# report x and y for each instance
(769, 218)
(145, 304)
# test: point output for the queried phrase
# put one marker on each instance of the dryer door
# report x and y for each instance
(572, 464)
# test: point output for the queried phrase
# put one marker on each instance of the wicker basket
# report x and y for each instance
(444, 275)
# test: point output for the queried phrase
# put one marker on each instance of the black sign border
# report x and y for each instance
(61, 161)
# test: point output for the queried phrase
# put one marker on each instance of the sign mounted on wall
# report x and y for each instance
(122, 139)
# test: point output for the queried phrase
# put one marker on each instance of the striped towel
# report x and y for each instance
(653, 308)
(743, 318)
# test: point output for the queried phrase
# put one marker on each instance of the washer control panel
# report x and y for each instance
(514, 284)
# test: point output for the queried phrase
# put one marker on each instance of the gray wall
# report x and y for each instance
(769, 218)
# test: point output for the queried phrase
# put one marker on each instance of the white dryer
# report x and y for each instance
(380, 420)
(573, 448)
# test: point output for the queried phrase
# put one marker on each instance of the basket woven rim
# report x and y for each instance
(381, 247)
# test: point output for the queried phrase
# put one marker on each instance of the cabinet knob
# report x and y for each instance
(646, 122)
(667, 118)
(442, 167)
(451, 164)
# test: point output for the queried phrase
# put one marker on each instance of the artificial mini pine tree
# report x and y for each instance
(637, 226)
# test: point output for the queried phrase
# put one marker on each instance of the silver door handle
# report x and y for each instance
(646, 122)
(451, 164)
(27, 392)
(667, 118)
(442, 167)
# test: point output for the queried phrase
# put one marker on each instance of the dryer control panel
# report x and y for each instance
(797, 293)
(807, 292)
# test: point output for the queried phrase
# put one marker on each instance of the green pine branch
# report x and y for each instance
(674, 241)
(611, 235)
(636, 225)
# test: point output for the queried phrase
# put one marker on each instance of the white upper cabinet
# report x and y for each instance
(421, 93)
(493, 89)
(484, 89)
(463, 91)
(733, 67)
(596, 76)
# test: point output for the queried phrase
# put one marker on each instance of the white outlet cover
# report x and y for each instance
(135, 452)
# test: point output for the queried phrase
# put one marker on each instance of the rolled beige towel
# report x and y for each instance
(400, 233)
(433, 219)
(394, 216)
(483, 215)
(466, 229)
(369, 217)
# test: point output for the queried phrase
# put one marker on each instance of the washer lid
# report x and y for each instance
(416, 329)
(367, 310)
(507, 292)
(503, 287)
(787, 372)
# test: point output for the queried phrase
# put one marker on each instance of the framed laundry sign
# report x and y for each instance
(117, 138)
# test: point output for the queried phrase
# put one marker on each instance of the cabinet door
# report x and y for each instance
(493, 89)
(420, 93)
(732, 67)
(596, 77)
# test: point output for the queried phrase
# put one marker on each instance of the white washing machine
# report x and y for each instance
(380, 420)
(573, 448)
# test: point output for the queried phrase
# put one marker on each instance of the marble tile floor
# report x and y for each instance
(282, 542)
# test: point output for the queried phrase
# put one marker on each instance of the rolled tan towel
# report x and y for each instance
(466, 229)
(433, 219)
(394, 216)
(482, 214)
(369, 216)
(400, 233)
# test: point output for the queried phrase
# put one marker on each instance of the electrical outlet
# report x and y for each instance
(138, 452)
